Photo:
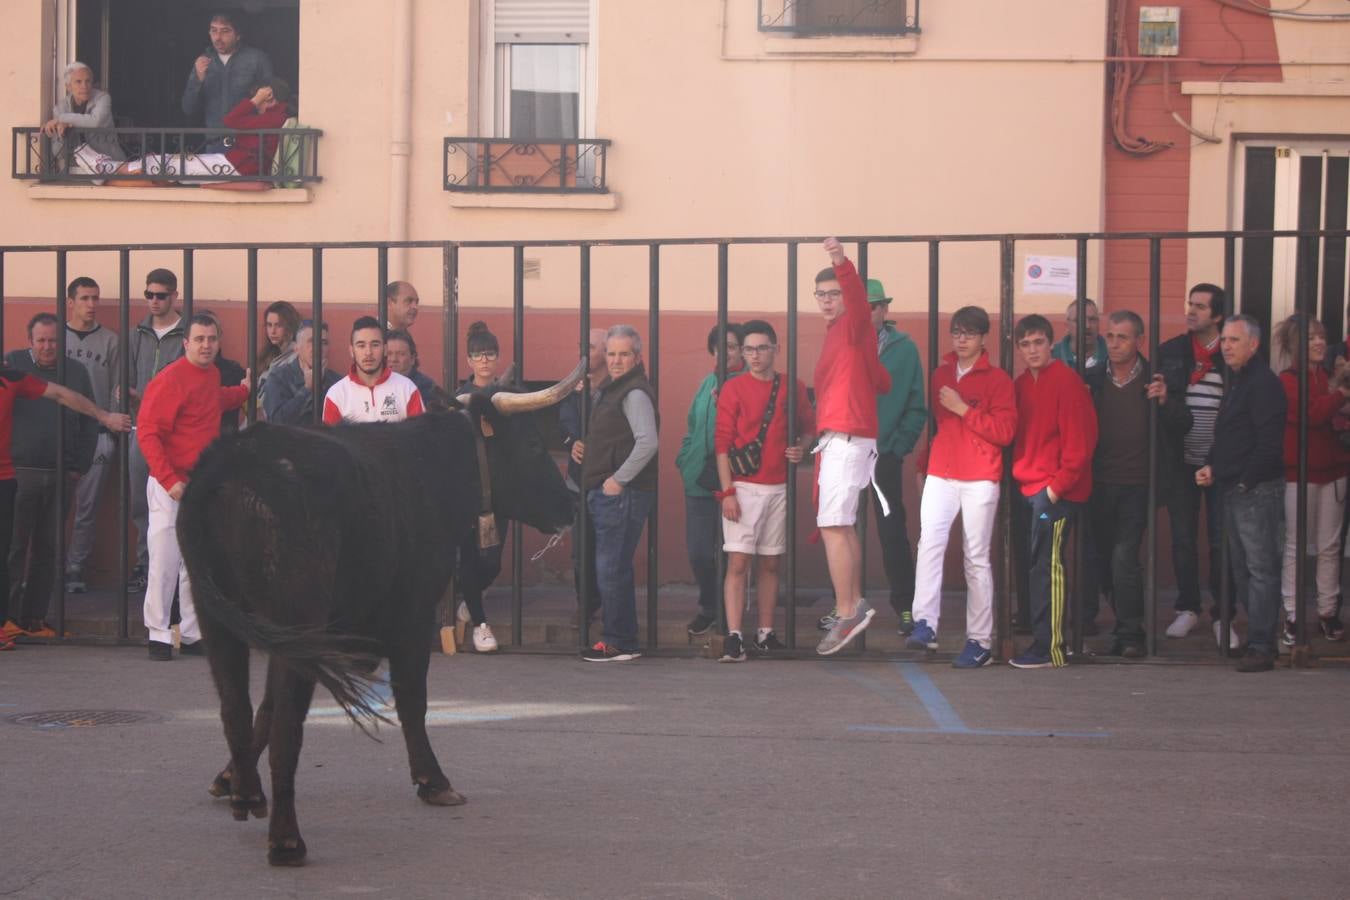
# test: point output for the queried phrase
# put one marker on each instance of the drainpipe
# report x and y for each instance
(400, 132)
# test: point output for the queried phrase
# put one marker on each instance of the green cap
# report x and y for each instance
(875, 292)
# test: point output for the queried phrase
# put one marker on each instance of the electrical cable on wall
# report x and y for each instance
(1256, 9)
(1123, 77)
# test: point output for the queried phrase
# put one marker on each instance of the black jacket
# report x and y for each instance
(1174, 420)
(1249, 432)
(33, 443)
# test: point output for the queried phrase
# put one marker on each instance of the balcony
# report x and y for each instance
(815, 18)
(509, 166)
(67, 160)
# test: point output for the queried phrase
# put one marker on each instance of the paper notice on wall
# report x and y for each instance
(1050, 275)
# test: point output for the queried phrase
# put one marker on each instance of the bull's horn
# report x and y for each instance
(506, 377)
(509, 404)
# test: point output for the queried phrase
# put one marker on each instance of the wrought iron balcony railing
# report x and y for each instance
(281, 157)
(555, 166)
(839, 17)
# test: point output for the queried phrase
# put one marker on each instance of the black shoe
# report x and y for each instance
(136, 581)
(770, 644)
(1255, 661)
(603, 652)
(906, 623)
(196, 648)
(1332, 629)
(701, 623)
(1128, 649)
(160, 651)
(733, 651)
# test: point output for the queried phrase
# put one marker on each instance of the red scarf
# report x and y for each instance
(1204, 360)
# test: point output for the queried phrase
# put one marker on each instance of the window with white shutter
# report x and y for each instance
(536, 74)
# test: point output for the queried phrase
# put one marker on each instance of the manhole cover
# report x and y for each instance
(83, 718)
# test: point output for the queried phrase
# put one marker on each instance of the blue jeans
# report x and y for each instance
(618, 521)
(702, 533)
(1253, 522)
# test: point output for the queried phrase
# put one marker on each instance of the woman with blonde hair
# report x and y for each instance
(1327, 468)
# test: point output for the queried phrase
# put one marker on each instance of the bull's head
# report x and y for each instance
(526, 483)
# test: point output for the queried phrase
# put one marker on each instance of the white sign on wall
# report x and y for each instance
(1050, 275)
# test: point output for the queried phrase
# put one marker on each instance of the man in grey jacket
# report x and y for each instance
(98, 350)
(223, 75)
(36, 470)
(156, 342)
(288, 397)
(83, 106)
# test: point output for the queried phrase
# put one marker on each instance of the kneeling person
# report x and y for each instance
(752, 428)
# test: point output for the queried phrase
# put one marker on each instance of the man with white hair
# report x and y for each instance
(618, 480)
(83, 106)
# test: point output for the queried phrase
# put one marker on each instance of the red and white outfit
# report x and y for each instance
(849, 378)
(963, 464)
(392, 398)
(179, 417)
(762, 497)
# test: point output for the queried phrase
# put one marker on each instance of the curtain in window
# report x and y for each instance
(545, 91)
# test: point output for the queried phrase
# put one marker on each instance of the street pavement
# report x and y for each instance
(681, 777)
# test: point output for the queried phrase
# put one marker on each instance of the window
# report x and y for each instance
(537, 87)
(820, 17)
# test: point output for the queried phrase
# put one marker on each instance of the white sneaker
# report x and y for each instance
(483, 641)
(462, 613)
(1183, 624)
(1234, 642)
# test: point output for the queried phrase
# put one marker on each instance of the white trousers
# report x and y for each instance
(1326, 506)
(166, 571)
(977, 504)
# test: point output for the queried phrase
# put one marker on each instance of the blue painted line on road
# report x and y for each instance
(983, 732)
(934, 703)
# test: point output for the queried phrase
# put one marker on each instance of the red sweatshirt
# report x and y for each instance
(1326, 460)
(244, 154)
(849, 375)
(1056, 433)
(180, 416)
(970, 447)
(740, 412)
(14, 385)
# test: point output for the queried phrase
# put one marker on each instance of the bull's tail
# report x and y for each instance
(344, 664)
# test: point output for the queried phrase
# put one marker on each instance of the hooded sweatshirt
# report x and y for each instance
(901, 415)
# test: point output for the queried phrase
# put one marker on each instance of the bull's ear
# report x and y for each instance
(483, 413)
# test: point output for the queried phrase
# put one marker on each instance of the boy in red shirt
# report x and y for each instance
(753, 410)
(179, 417)
(1052, 462)
(849, 378)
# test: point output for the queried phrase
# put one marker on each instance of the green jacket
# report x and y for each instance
(901, 414)
(697, 446)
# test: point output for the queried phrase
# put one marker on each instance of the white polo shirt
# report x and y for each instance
(392, 398)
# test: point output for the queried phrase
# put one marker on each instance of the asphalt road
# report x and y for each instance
(685, 778)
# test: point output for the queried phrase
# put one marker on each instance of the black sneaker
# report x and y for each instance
(136, 581)
(196, 648)
(1255, 661)
(603, 652)
(906, 623)
(1128, 649)
(770, 644)
(701, 624)
(1332, 629)
(1288, 635)
(733, 650)
(160, 651)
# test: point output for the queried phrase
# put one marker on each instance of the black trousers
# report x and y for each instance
(1118, 514)
(896, 553)
(33, 541)
(1051, 524)
(8, 489)
(479, 568)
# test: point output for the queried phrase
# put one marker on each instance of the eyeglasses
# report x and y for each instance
(757, 349)
(484, 356)
(833, 295)
(158, 295)
(961, 334)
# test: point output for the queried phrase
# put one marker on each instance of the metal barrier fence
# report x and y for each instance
(1315, 241)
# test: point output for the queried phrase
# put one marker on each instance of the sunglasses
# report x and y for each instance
(158, 295)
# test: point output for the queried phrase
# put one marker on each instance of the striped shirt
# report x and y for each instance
(1202, 398)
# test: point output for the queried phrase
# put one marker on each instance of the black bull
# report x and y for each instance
(329, 549)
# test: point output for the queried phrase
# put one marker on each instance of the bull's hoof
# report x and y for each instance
(446, 796)
(242, 807)
(220, 787)
(290, 852)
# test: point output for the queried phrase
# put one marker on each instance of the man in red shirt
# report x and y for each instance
(180, 416)
(15, 385)
(752, 423)
(849, 377)
(1052, 462)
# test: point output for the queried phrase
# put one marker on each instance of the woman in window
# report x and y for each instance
(83, 106)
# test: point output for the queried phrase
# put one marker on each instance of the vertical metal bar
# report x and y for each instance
(518, 356)
(654, 376)
(1079, 595)
(722, 301)
(1151, 552)
(123, 375)
(1225, 598)
(382, 280)
(252, 334)
(316, 345)
(865, 500)
(934, 301)
(189, 285)
(790, 625)
(59, 463)
(450, 315)
(1003, 613)
(585, 551)
(1301, 655)
(2, 298)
